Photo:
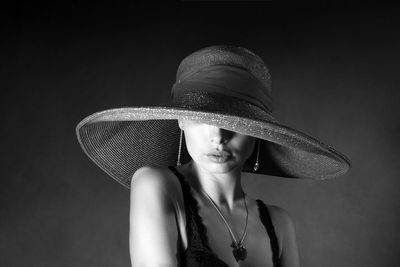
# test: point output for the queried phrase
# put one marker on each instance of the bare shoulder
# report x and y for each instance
(158, 176)
(155, 179)
(151, 174)
(281, 220)
(285, 232)
(154, 233)
(286, 235)
(280, 217)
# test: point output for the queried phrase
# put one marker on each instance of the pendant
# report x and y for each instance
(239, 252)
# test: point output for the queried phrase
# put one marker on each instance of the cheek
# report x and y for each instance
(193, 143)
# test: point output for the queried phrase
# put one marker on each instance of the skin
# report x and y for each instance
(157, 216)
(220, 180)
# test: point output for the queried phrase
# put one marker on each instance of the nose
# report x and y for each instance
(219, 136)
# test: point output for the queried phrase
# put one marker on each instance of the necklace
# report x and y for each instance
(239, 251)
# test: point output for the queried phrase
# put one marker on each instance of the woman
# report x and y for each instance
(219, 124)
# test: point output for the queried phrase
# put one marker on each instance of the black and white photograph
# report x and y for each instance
(200, 134)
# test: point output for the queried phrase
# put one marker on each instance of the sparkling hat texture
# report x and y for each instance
(225, 86)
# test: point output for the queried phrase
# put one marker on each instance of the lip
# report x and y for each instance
(219, 156)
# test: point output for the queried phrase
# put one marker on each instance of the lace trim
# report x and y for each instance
(198, 239)
(197, 232)
(198, 251)
(266, 220)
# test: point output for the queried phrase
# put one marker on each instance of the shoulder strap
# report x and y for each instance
(266, 220)
(180, 178)
(197, 232)
(185, 191)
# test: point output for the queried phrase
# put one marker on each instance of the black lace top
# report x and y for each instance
(198, 252)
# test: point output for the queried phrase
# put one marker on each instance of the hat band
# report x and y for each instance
(231, 81)
(221, 104)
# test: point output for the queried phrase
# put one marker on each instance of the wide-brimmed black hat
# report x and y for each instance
(228, 87)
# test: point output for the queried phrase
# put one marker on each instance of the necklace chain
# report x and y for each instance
(237, 244)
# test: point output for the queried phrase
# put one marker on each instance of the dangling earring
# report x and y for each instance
(178, 162)
(257, 165)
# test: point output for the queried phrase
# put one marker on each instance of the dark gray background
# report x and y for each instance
(335, 76)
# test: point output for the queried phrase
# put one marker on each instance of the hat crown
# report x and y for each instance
(222, 71)
(226, 55)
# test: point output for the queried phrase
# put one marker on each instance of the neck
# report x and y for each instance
(224, 188)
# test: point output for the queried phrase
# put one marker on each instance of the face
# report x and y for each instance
(214, 149)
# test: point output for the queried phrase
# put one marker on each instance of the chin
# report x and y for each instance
(221, 167)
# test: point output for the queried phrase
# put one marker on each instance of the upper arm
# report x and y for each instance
(285, 231)
(153, 230)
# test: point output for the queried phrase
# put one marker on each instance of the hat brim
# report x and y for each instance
(122, 140)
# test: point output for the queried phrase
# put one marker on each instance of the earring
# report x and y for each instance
(257, 165)
(178, 162)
